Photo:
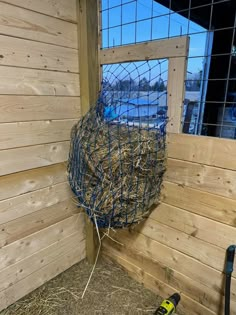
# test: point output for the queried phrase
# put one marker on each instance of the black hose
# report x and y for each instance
(227, 294)
(230, 253)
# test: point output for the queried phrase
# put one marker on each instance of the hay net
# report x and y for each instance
(117, 153)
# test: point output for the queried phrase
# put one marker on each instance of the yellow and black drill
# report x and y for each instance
(168, 306)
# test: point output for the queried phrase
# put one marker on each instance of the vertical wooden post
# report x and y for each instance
(176, 90)
(88, 28)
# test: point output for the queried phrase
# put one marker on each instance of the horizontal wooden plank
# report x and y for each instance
(22, 81)
(200, 202)
(65, 10)
(19, 206)
(167, 48)
(171, 258)
(210, 179)
(161, 288)
(20, 134)
(20, 159)
(35, 242)
(38, 278)
(24, 268)
(195, 290)
(29, 54)
(18, 22)
(205, 150)
(30, 181)
(15, 108)
(195, 225)
(36, 221)
(185, 243)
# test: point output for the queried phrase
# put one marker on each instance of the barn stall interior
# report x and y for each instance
(165, 71)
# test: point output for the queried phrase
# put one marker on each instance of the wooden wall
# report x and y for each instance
(181, 246)
(41, 230)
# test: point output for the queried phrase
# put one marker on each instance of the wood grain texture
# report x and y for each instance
(21, 23)
(42, 275)
(20, 159)
(200, 202)
(23, 81)
(88, 29)
(187, 286)
(65, 10)
(206, 150)
(185, 243)
(15, 108)
(31, 244)
(161, 288)
(29, 54)
(19, 206)
(176, 91)
(167, 48)
(174, 259)
(30, 181)
(41, 229)
(36, 221)
(24, 268)
(20, 134)
(206, 178)
(88, 53)
(195, 225)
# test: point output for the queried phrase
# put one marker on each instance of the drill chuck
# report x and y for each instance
(168, 306)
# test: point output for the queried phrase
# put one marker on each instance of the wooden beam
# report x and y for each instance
(176, 91)
(167, 48)
(176, 50)
(89, 88)
(88, 52)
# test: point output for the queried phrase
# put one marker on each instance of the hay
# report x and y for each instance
(112, 292)
(115, 169)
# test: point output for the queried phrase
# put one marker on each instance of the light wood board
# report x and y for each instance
(27, 24)
(65, 10)
(23, 81)
(20, 159)
(15, 108)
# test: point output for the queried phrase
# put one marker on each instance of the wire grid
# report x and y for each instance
(117, 154)
(210, 96)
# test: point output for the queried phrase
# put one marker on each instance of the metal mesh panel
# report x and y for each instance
(210, 99)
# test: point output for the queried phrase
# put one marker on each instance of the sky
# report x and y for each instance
(152, 22)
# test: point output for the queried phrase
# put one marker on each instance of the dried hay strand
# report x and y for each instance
(112, 292)
(115, 169)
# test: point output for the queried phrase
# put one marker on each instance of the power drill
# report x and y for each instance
(168, 306)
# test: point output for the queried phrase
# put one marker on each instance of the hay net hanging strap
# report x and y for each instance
(117, 153)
